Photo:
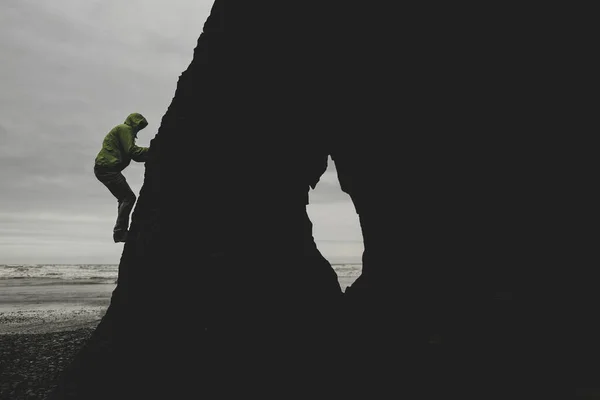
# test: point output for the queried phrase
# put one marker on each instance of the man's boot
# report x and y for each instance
(120, 236)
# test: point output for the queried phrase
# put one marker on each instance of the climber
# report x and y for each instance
(118, 149)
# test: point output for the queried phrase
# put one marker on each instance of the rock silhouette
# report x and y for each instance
(415, 107)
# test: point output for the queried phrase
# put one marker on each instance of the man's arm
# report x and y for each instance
(139, 154)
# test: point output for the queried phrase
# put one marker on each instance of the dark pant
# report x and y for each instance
(118, 186)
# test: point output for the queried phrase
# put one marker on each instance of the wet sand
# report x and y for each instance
(46, 305)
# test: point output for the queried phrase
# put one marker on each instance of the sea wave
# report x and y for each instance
(101, 272)
(60, 271)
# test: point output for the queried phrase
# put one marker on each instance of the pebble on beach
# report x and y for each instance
(31, 364)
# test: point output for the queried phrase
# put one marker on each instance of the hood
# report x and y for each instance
(136, 120)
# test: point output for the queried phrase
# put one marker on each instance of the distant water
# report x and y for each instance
(98, 273)
(347, 273)
(104, 273)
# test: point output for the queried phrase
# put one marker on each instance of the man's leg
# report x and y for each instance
(126, 202)
(118, 186)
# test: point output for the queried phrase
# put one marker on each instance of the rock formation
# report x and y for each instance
(415, 108)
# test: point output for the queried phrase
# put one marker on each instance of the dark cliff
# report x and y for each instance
(418, 109)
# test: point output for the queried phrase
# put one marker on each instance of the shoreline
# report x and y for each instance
(44, 323)
(30, 306)
(31, 322)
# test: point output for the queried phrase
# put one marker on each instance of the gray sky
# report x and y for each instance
(70, 70)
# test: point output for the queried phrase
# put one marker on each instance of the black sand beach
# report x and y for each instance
(31, 364)
(43, 324)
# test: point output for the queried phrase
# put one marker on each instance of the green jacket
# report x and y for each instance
(118, 148)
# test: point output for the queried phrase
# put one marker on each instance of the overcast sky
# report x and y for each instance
(70, 70)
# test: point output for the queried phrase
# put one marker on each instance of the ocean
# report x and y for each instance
(107, 273)
(93, 273)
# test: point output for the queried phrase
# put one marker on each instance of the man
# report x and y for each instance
(118, 149)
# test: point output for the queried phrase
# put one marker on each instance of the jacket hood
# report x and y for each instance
(136, 120)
